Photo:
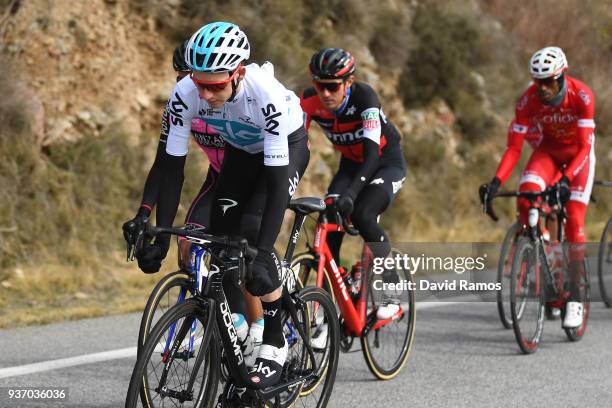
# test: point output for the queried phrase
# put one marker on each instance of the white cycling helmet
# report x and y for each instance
(217, 47)
(548, 62)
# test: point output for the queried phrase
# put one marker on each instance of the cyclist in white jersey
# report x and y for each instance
(266, 151)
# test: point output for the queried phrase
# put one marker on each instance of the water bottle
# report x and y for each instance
(241, 326)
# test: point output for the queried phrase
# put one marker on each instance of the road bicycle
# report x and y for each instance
(386, 344)
(195, 343)
(604, 258)
(538, 270)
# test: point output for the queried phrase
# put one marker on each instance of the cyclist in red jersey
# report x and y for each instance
(563, 109)
(372, 168)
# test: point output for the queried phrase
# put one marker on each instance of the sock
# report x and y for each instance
(273, 324)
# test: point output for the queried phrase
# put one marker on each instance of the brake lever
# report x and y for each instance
(487, 208)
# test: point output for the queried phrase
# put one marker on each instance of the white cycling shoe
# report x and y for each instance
(387, 310)
(319, 340)
(269, 365)
(574, 312)
(253, 345)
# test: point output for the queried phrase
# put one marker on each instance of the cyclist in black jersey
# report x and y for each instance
(372, 168)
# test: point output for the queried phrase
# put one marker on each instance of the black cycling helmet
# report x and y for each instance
(178, 59)
(332, 63)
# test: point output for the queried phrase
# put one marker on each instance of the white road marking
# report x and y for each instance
(129, 352)
(67, 362)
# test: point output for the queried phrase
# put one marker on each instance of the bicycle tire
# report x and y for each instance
(304, 275)
(523, 279)
(503, 275)
(604, 275)
(323, 385)
(577, 333)
(370, 343)
(207, 355)
(174, 279)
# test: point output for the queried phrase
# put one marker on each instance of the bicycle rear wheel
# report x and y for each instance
(527, 295)
(178, 362)
(585, 294)
(386, 349)
(504, 271)
(305, 266)
(604, 264)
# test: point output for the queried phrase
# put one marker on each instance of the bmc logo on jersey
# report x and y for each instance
(345, 138)
(563, 118)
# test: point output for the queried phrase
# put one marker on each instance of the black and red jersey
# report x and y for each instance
(360, 117)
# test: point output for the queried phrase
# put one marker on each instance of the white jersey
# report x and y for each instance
(259, 119)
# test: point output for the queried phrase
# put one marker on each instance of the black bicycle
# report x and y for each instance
(604, 258)
(538, 271)
(195, 342)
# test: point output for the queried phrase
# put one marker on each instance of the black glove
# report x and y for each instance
(134, 227)
(345, 204)
(487, 191)
(564, 190)
(265, 273)
(151, 255)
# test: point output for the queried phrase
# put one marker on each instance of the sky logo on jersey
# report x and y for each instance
(270, 115)
(238, 133)
(177, 106)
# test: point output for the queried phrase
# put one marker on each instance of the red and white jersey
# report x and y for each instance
(566, 129)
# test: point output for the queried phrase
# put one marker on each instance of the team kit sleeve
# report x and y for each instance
(276, 163)
(371, 145)
(151, 188)
(585, 136)
(516, 136)
(181, 109)
(371, 125)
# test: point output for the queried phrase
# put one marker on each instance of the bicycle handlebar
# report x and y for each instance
(549, 193)
(151, 231)
(201, 237)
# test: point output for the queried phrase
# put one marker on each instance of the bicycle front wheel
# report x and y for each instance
(179, 362)
(527, 295)
(386, 348)
(170, 290)
(504, 270)
(604, 265)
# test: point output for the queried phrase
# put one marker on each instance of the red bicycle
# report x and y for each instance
(386, 344)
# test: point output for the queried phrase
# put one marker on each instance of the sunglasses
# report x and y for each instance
(213, 86)
(330, 86)
(546, 81)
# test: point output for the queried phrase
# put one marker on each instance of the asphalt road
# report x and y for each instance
(461, 358)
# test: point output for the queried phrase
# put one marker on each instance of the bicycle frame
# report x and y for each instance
(356, 319)
(199, 271)
(214, 303)
(534, 232)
